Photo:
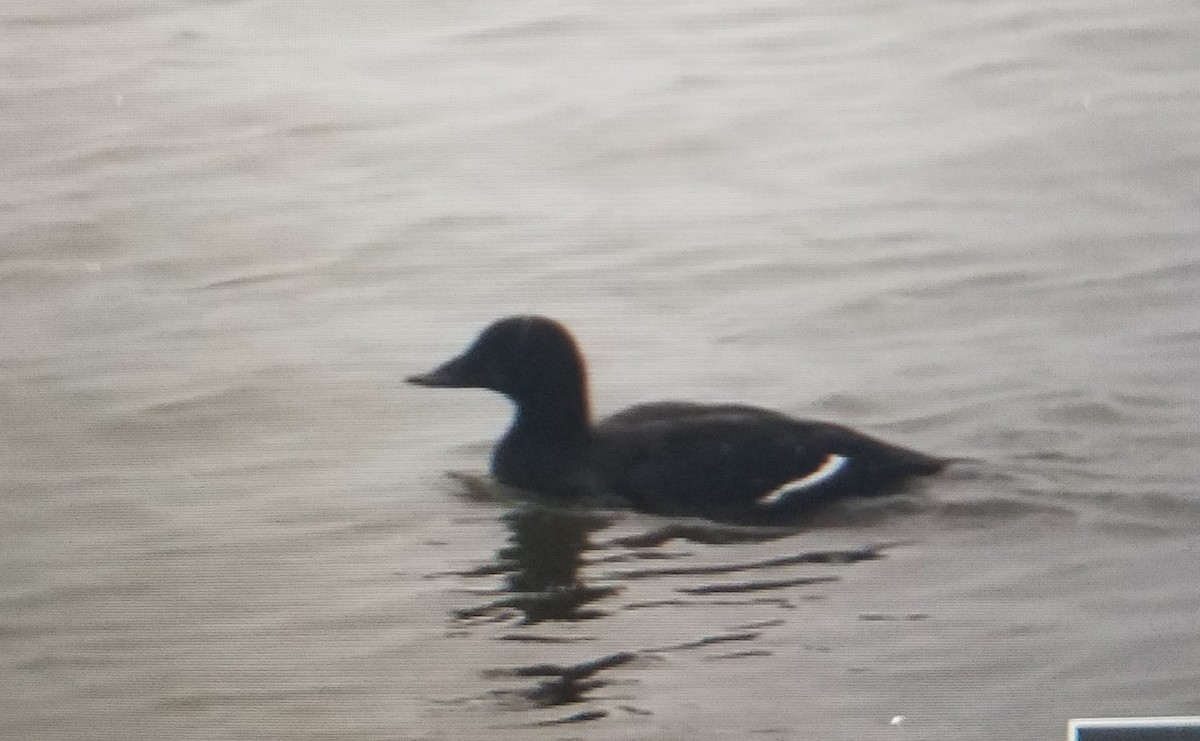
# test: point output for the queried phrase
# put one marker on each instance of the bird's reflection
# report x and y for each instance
(542, 564)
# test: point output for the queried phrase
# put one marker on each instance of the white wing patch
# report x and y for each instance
(828, 469)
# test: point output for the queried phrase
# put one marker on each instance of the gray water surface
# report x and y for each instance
(230, 229)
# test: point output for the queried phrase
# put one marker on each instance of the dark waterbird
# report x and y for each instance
(726, 462)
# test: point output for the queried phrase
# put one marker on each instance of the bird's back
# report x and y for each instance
(740, 462)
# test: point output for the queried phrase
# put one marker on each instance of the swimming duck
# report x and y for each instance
(726, 462)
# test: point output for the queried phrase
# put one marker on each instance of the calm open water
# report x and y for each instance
(229, 229)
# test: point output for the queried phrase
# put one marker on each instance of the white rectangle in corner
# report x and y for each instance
(1177, 728)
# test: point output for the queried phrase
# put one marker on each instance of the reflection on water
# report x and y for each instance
(548, 573)
(560, 685)
(541, 564)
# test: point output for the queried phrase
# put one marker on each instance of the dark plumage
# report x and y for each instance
(726, 462)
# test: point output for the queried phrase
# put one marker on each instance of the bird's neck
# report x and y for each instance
(555, 416)
(561, 415)
(544, 443)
